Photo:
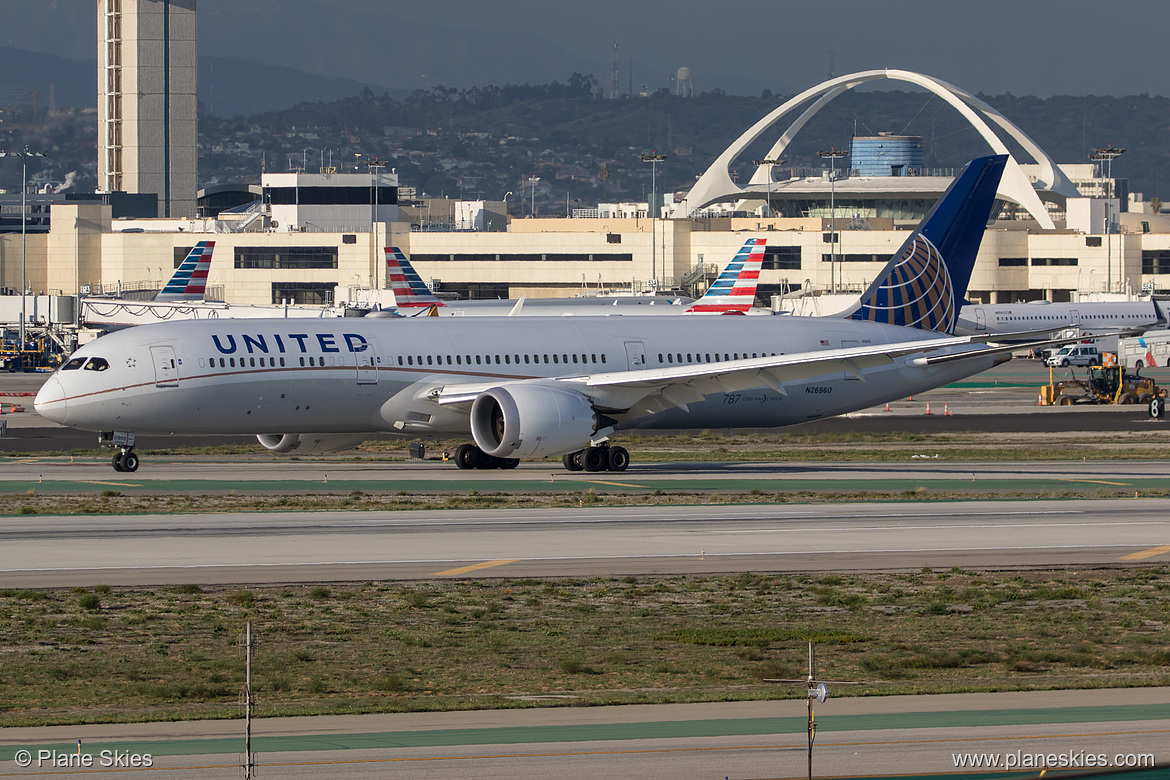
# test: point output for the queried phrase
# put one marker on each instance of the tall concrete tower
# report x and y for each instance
(147, 135)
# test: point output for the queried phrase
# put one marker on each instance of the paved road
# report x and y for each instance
(356, 546)
(857, 736)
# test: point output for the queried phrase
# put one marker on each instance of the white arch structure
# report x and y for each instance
(715, 184)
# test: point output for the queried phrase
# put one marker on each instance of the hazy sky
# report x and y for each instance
(1039, 47)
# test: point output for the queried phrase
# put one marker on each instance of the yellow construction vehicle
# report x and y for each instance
(1106, 384)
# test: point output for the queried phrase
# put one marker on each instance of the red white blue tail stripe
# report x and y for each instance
(407, 286)
(190, 280)
(735, 289)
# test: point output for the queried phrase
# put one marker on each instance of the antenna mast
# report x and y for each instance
(614, 82)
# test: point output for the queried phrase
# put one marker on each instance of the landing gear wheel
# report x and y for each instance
(116, 462)
(509, 463)
(130, 461)
(468, 456)
(593, 459)
(619, 459)
(572, 460)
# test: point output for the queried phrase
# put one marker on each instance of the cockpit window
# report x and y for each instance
(97, 364)
(73, 364)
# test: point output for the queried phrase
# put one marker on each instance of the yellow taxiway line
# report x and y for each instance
(473, 567)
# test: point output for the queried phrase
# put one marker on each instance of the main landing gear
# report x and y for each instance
(468, 456)
(125, 460)
(601, 457)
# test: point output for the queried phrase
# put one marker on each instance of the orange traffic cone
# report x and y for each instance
(946, 410)
(928, 407)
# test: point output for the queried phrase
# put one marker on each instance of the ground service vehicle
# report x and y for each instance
(1075, 355)
(1106, 384)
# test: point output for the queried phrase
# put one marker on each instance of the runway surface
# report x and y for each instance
(357, 546)
(281, 476)
(897, 735)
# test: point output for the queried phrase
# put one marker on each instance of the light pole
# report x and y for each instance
(653, 158)
(832, 155)
(532, 206)
(770, 161)
(375, 166)
(1108, 154)
(23, 241)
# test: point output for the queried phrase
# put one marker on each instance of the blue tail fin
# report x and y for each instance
(926, 280)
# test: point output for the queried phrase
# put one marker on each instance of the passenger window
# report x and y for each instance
(602, 357)
(282, 362)
(311, 363)
(554, 358)
(574, 358)
(508, 359)
(477, 360)
(252, 361)
(73, 364)
(708, 357)
(400, 360)
(526, 359)
(669, 358)
(546, 358)
(302, 360)
(232, 362)
(497, 360)
(659, 357)
(430, 361)
(448, 360)
(594, 358)
(222, 362)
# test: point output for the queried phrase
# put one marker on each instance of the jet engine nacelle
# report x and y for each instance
(525, 421)
(309, 443)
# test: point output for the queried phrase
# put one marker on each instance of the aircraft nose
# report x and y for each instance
(50, 402)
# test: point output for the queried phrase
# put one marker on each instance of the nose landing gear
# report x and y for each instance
(125, 459)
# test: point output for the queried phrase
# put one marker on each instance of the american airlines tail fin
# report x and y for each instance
(735, 289)
(190, 279)
(926, 280)
(409, 290)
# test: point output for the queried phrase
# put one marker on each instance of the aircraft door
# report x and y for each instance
(980, 320)
(635, 355)
(166, 366)
(367, 363)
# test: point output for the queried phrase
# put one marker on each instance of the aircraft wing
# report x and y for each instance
(655, 389)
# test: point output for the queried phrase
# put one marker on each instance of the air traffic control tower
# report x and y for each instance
(147, 133)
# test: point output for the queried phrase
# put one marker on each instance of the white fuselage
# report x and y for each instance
(352, 376)
(1093, 317)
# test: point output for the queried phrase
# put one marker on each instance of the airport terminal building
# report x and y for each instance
(312, 238)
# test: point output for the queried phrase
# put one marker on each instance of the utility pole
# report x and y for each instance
(23, 238)
(248, 702)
